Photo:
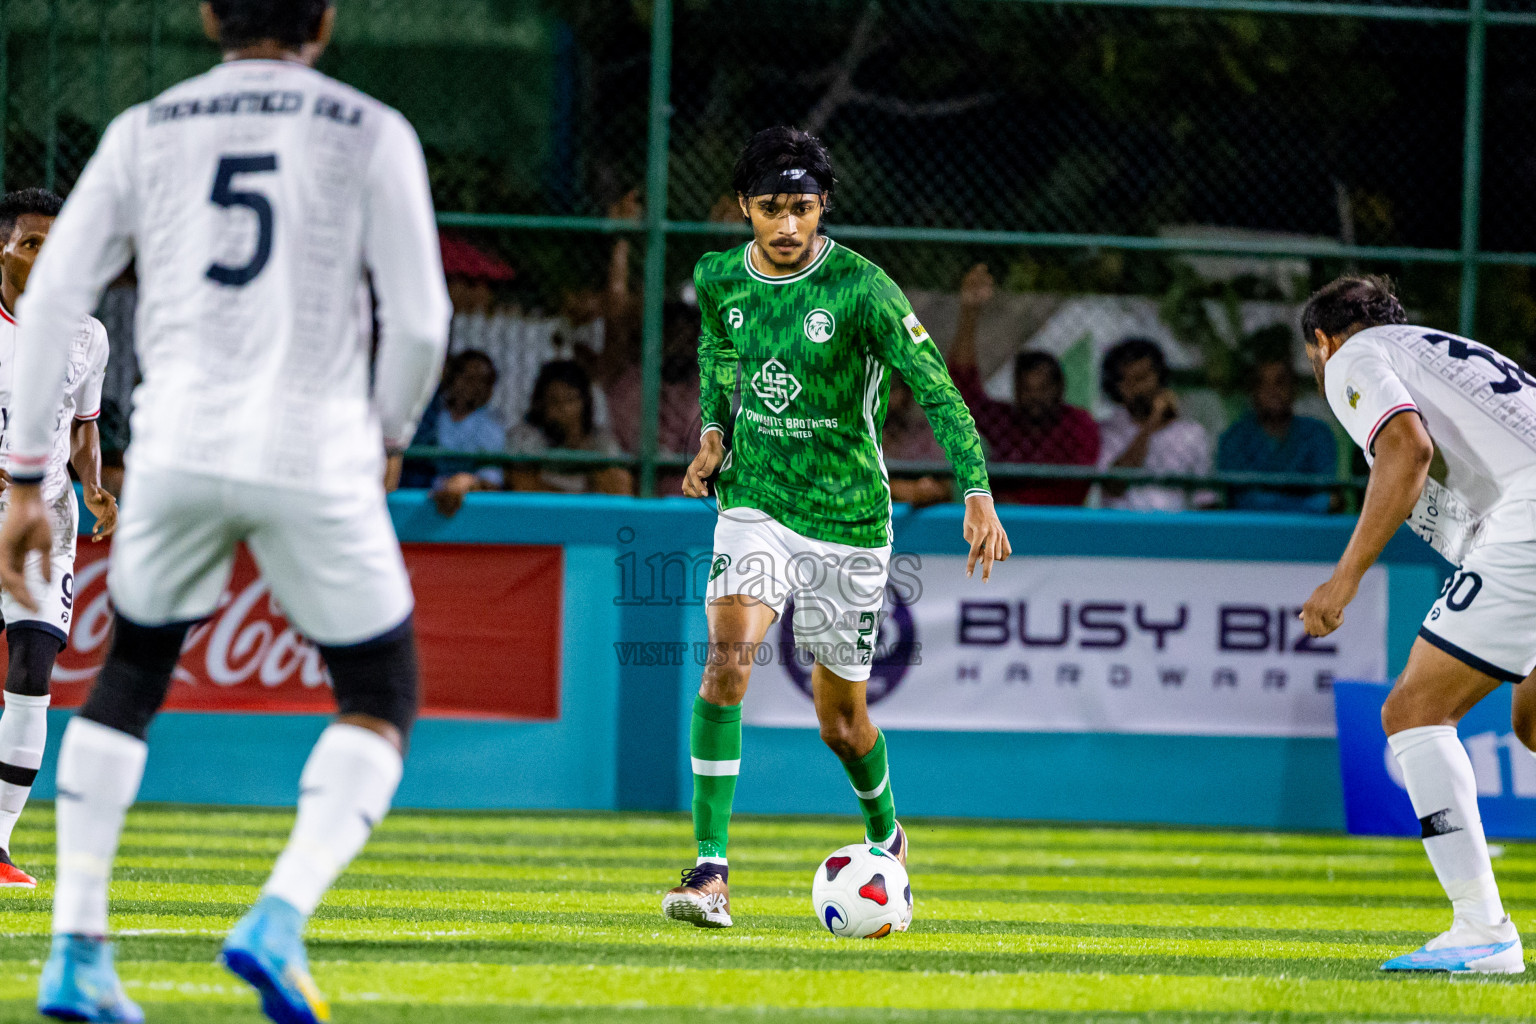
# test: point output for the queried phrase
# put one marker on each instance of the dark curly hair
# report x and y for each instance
(560, 371)
(1352, 301)
(1125, 353)
(290, 22)
(15, 205)
(784, 149)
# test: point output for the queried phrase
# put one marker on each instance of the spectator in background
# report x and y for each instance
(1146, 432)
(678, 430)
(1271, 438)
(1038, 426)
(463, 421)
(560, 418)
(909, 438)
(601, 327)
(473, 274)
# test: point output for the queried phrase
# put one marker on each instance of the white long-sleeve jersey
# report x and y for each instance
(254, 197)
(84, 371)
(1479, 408)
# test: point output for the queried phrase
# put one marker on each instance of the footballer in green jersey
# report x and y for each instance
(809, 331)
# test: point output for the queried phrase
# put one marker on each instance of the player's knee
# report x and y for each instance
(133, 682)
(33, 651)
(377, 678)
(840, 733)
(725, 680)
(1402, 710)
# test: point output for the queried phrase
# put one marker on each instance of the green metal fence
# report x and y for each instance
(1078, 146)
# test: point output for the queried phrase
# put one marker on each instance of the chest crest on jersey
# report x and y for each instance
(820, 325)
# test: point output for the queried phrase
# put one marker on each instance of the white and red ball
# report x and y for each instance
(862, 892)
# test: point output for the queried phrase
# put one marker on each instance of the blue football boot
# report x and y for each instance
(1494, 950)
(266, 949)
(80, 983)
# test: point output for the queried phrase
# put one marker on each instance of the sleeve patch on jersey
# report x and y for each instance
(1352, 396)
(915, 328)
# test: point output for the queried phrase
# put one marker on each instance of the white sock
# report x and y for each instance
(347, 785)
(23, 735)
(99, 774)
(717, 861)
(1438, 774)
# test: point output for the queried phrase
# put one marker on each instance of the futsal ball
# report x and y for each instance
(862, 892)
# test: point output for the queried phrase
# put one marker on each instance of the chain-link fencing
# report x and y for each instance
(1182, 172)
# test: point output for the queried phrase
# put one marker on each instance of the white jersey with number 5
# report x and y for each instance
(254, 197)
(1480, 410)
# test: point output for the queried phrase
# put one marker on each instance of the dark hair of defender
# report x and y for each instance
(783, 148)
(15, 205)
(1125, 353)
(290, 22)
(561, 371)
(1352, 301)
(1028, 362)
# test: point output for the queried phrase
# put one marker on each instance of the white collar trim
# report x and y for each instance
(757, 275)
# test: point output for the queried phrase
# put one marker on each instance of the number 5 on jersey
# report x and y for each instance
(224, 195)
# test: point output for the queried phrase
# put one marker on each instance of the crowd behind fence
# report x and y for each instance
(1046, 181)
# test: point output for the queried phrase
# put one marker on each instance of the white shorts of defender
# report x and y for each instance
(838, 589)
(1484, 615)
(56, 597)
(331, 561)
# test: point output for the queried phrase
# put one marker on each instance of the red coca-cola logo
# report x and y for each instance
(490, 649)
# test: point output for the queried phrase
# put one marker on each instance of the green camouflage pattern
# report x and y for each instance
(813, 351)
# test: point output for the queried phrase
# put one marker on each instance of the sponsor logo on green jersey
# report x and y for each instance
(915, 328)
(775, 385)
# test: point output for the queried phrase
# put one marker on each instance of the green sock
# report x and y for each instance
(714, 741)
(871, 778)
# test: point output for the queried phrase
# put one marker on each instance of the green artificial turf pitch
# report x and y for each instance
(536, 917)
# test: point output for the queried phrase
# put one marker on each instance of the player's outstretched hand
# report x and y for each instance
(104, 507)
(711, 451)
(26, 530)
(985, 533)
(1324, 611)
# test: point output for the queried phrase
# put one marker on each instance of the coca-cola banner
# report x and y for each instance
(487, 629)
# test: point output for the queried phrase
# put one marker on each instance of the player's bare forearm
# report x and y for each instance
(1403, 454)
(85, 457)
(85, 452)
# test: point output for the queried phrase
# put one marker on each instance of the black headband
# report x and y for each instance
(795, 181)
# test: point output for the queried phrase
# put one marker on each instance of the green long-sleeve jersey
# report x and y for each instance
(813, 352)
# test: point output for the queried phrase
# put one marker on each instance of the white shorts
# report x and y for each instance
(56, 597)
(1486, 613)
(331, 560)
(838, 589)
